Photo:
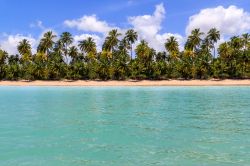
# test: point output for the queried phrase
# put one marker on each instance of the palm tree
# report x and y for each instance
(143, 50)
(124, 44)
(3, 56)
(73, 52)
(59, 47)
(131, 37)
(46, 43)
(206, 45)
(13, 59)
(88, 45)
(24, 49)
(213, 37)
(66, 39)
(3, 66)
(194, 39)
(236, 43)
(245, 40)
(111, 40)
(224, 50)
(172, 46)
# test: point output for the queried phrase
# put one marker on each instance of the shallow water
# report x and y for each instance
(124, 126)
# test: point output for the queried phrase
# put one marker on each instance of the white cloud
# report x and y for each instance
(89, 24)
(149, 26)
(229, 21)
(9, 42)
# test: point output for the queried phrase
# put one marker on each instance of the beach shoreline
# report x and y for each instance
(213, 82)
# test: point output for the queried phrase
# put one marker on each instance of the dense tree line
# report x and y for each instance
(60, 59)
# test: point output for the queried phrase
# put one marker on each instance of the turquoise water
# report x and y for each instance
(124, 126)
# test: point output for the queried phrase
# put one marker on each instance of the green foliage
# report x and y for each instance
(55, 60)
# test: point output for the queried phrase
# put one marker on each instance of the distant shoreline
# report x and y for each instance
(213, 82)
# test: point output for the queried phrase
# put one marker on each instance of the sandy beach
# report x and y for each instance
(130, 83)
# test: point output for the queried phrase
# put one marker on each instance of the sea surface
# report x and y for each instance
(124, 126)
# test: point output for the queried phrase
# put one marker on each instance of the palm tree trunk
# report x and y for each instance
(66, 59)
(214, 49)
(131, 49)
(66, 52)
(112, 53)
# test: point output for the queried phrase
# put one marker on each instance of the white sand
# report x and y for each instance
(245, 82)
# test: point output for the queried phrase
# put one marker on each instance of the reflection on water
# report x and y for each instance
(124, 126)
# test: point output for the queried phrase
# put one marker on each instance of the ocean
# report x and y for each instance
(124, 126)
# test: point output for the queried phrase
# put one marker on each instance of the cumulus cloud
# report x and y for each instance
(9, 42)
(149, 26)
(89, 24)
(229, 21)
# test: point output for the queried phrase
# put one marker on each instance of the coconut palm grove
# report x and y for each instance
(123, 56)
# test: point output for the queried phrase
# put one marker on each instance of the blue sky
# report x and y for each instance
(32, 17)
